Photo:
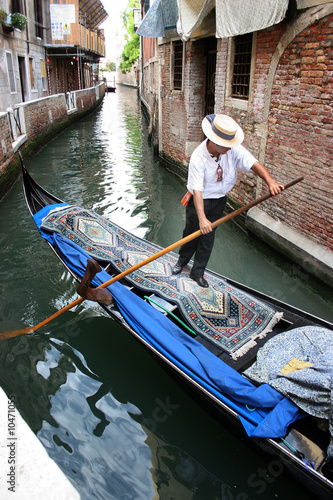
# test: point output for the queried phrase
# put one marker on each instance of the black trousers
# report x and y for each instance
(203, 245)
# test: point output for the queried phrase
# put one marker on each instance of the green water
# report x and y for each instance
(117, 424)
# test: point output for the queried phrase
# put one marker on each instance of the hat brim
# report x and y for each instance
(236, 141)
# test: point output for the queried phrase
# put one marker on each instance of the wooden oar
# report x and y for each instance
(16, 333)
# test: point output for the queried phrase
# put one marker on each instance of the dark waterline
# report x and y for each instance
(117, 424)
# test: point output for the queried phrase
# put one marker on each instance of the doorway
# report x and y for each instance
(211, 47)
(22, 73)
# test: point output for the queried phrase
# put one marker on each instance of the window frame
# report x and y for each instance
(11, 71)
(39, 16)
(32, 75)
(235, 102)
(44, 78)
(172, 77)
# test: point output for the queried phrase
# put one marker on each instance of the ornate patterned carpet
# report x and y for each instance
(226, 316)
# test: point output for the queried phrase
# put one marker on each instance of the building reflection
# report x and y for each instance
(102, 409)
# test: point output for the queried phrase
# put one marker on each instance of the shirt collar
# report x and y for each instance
(208, 153)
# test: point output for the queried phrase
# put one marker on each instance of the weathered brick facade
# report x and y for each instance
(288, 122)
(300, 131)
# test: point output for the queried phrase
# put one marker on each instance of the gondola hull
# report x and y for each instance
(276, 449)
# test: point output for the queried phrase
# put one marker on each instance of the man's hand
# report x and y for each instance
(274, 187)
(262, 172)
(205, 226)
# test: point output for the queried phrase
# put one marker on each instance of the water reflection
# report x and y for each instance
(118, 430)
(112, 418)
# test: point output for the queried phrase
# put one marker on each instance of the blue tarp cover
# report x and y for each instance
(162, 15)
(263, 411)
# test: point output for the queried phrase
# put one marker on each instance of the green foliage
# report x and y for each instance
(109, 66)
(132, 48)
(18, 21)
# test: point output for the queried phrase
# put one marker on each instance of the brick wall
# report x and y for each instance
(182, 111)
(42, 114)
(288, 125)
(300, 134)
(6, 151)
(6, 143)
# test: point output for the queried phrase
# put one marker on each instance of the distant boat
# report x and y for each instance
(110, 87)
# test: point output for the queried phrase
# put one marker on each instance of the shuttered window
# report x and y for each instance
(44, 75)
(11, 75)
(31, 69)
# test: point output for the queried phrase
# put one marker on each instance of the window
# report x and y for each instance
(38, 7)
(11, 75)
(32, 72)
(178, 65)
(43, 73)
(240, 85)
(16, 6)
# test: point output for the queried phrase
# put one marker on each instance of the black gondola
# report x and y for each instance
(302, 451)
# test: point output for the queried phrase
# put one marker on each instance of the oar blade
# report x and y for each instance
(16, 333)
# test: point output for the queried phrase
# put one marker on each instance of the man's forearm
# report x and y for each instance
(204, 223)
(263, 173)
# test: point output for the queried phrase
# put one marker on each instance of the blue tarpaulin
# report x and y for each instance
(263, 411)
(162, 15)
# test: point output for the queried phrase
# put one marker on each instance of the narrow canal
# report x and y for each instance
(115, 422)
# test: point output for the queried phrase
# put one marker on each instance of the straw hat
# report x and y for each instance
(222, 130)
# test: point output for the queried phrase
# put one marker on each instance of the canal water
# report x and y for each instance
(117, 424)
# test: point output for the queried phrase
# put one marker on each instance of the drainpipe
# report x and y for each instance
(78, 67)
(27, 27)
(160, 112)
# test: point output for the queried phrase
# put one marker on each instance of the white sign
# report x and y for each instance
(61, 17)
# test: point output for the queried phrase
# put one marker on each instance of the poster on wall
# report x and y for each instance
(62, 15)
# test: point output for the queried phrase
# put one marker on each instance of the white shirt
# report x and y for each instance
(202, 172)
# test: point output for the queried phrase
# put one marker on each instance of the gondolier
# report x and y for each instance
(214, 352)
(212, 174)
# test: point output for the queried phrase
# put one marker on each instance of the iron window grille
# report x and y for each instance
(240, 87)
(178, 66)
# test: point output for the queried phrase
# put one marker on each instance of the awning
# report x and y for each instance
(63, 51)
(233, 17)
(92, 13)
(162, 15)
